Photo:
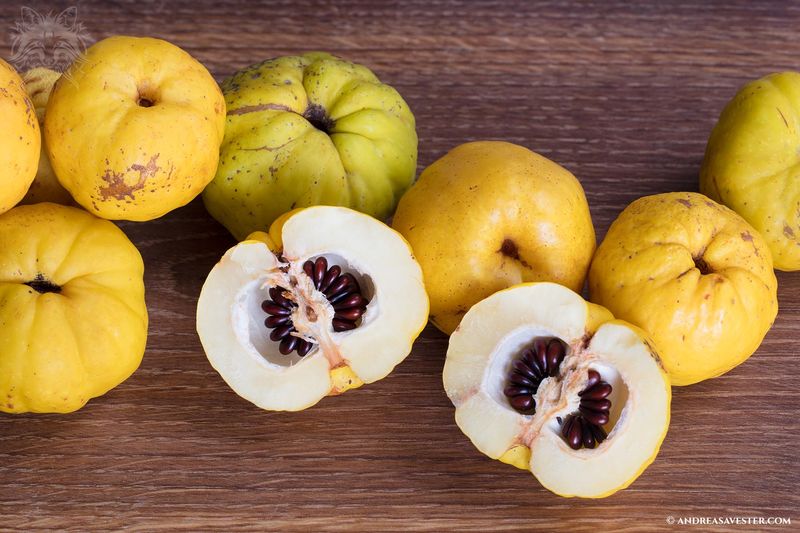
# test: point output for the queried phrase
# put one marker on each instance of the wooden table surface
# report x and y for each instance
(622, 94)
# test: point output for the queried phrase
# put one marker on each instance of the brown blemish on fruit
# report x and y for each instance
(118, 189)
(685, 202)
(747, 237)
(788, 231)
(256, 108)
(510, 249)
(267, 148)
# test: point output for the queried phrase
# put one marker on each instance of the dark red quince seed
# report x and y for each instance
(575, 435)
(272, 308)
(336, 298)
(599, 433)
(518, 379)
(520, 367)
(341, 284)
(596, 405)
(588, 436)
(275, 321)
(303, 348)
(517, 391)
(308, 268)
(555, 353)
(541, 359)
(288, 345)
(594, 379)
(276, 293)
(352, 300)
(597, 392)
(333, 274)
(281, 332)
(523, 403)
(539, 346)
(354, 283)
(533, 366)
(595, 417)
(320, 269)
(349, 314)
(343, 325)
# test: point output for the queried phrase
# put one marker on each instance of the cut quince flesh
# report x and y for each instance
(550, 383)
(329, 299)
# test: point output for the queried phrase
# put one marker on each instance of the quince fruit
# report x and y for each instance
(326, 301)
(133, 128)
(694, 275)
(20, 140)
(752, 162)
(73, 321)
(489, 215)
(309, 130)
(547, 382)
(39, 83)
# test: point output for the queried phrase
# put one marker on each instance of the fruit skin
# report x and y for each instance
(644, 272)
(39, 83)
(751, 162)
(273, 159)
(489, 215)
(58, 350)
(20, 140)
(119, 159)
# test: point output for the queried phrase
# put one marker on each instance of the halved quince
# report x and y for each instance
(329, 299)
(550, 383)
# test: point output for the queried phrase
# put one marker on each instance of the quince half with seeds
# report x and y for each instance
(547, 382)
(326, 301)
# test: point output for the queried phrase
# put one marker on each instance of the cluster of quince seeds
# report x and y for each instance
(585, 428)
(536, 363)
(543, 359)
(341, 290)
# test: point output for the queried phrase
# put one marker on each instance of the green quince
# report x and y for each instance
(310, 130)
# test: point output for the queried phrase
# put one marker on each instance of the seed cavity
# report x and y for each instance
(584, 428)
(343, 292)
(539, 361)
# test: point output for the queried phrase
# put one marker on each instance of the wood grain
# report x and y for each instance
(623, 94)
